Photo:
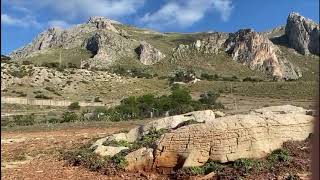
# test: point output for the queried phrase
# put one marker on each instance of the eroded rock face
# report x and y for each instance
(302, 34)
(213, 44)
(149, 55)
(259, 53)
(98, 32)
(229, 138)
(107, 47)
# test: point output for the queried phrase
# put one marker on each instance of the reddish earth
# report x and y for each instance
(42, 147)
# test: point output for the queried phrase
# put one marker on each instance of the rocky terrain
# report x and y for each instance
(40, 76)
(192, 139)
(109, 42)
(302, 34)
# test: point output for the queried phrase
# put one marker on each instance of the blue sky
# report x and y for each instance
(23, 20)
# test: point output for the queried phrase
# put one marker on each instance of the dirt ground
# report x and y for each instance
(33, 152)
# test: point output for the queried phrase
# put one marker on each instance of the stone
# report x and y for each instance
(141, 159)
(229, 138)
(149, 55)
(219, 114)
(302, 34)
(170, 122)
(102, 150)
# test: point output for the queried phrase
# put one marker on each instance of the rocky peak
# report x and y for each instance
(148, 54)
(103, 23)
(94, 19)
(259, 53)
(302, 34)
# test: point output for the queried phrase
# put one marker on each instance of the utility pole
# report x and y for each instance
(60, 59)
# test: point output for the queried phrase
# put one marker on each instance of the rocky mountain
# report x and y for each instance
(109, 41)
(302, 34)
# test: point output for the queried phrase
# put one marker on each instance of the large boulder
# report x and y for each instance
(302, 34)
(223, 139)
(149, 55)
(229, 138)
(259, 53)
(171, 122)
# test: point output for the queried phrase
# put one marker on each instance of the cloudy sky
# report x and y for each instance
(22, 20)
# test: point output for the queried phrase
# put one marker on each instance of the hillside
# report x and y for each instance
(114, 99)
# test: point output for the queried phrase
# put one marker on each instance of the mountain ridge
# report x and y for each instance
(110, 41)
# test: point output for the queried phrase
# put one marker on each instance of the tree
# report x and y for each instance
(74, 106)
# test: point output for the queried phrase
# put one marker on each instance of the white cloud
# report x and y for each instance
(186, 13)
(27, 21)
(83, 8)
(59, 23)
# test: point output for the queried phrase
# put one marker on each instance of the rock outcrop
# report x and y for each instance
(302, 34)
(149, 55)
(246, 47)
(213, 44)
(107, 47)
(229, 138)
(103, 23)
(98, 35)
(259, 53)
(222, 139)
(162, 123)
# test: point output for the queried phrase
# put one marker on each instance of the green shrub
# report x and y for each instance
(69, 117)
(42, 96)
(252, 79)
(26, 62)
(207, 168)
(71, 65)
(247, 165)
(74, 106)
(19, 73)
(209, 98)
(114, 143)
(119, 159)
(85, 157)
(182, 76)
(54, 120)
(209, 77)
(51, 64)
(149, 139)
(24, 120)
(279, 155)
